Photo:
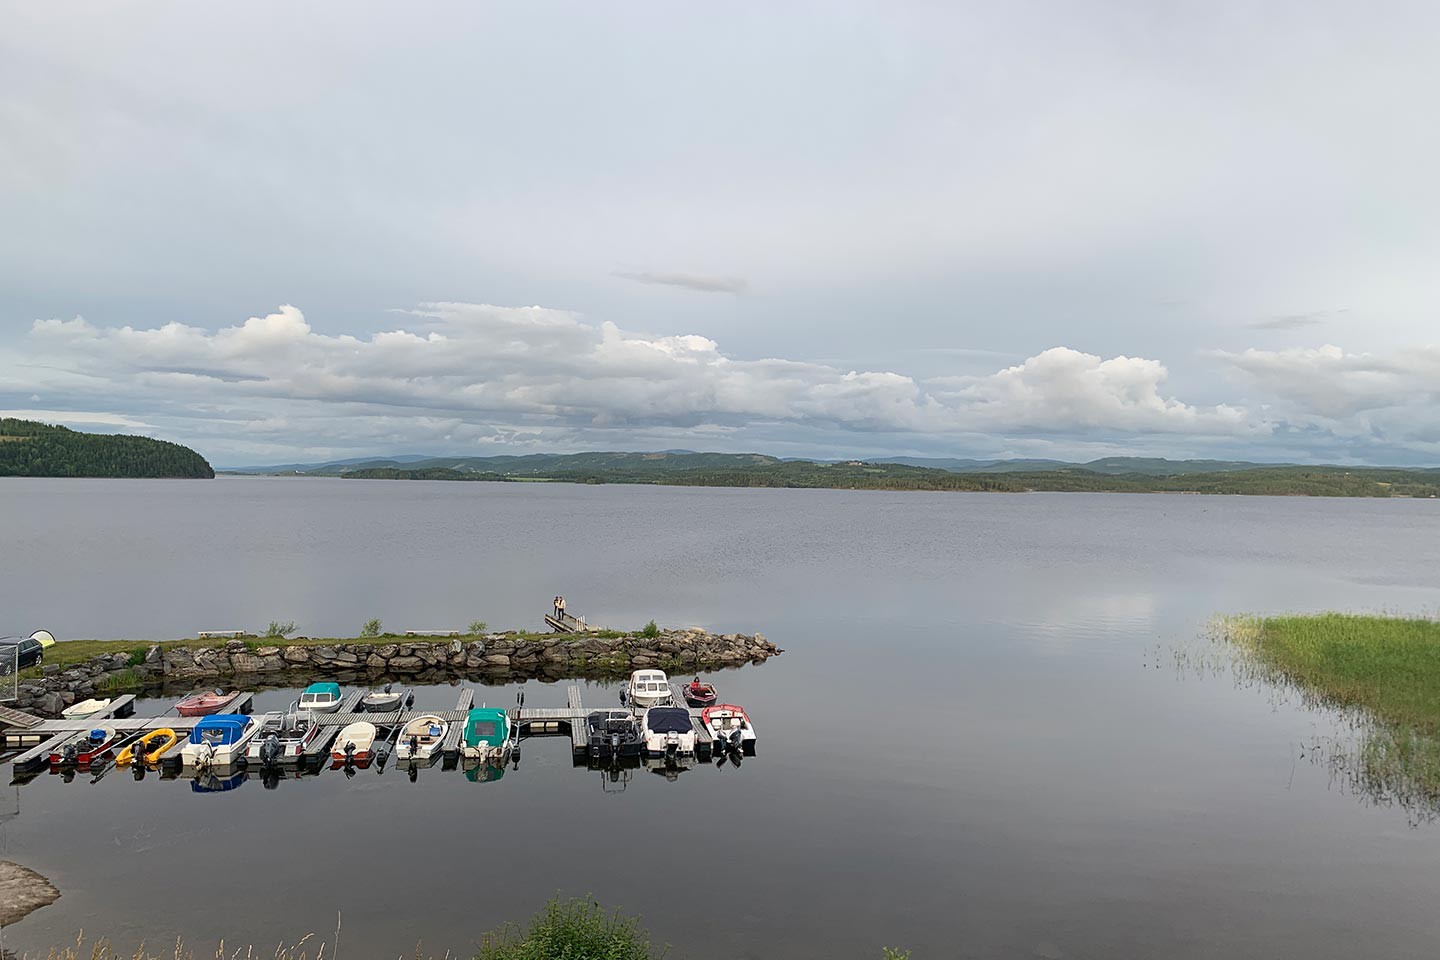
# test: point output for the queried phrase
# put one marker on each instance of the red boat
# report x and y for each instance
(699, 694)
(82, 752)
(204, 704)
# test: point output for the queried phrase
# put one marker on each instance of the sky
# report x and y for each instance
(281, 232)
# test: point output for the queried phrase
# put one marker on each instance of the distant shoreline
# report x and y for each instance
(1370, 482)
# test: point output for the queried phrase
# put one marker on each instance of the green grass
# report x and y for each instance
(572, 930)
(1387, 666)
(1383, 670)
(67, 653)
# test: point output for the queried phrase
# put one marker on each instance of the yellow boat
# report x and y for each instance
(154, 744)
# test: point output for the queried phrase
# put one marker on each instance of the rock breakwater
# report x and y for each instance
(494, 658)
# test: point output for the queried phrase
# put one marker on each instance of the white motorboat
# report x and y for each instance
(647, 688)
(668, 732)
(321, 698)
(729, 726)
(355, 744)
(421, 738)
(85, 708)
(218, 740)
(283, 737)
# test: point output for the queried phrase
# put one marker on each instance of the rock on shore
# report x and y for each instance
(22, 892)
(495, 657)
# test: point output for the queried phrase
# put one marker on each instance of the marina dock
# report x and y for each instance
(42, 737)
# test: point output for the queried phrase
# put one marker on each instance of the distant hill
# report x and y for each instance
(30, 449)
(1110, 474)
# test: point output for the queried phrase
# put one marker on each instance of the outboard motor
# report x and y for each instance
(68, 753)
(737, 741)
(410, 700)
(350, 754)
(414, 746)
(270, 751)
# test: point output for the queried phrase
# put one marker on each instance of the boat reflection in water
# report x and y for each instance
(670, 767)
(217, 779)
(480, 771)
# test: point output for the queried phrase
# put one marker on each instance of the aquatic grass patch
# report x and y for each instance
(1381, 673)
(1389, 666)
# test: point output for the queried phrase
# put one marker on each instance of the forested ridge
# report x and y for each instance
(691, 470)
(31, 449)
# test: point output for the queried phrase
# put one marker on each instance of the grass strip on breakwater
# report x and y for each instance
(1384, 669)
(67, 653)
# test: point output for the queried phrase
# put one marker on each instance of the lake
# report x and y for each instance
(977, 743)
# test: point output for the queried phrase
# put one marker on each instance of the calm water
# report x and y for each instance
(975, 745)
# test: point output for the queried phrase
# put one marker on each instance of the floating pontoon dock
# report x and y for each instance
(43, 737)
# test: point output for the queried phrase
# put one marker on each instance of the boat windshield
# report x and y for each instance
(484, 729)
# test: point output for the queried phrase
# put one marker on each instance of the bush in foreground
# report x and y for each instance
(571, 930)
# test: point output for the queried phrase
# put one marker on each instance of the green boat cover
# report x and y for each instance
(490, 724)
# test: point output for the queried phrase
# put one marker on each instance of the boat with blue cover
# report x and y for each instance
(218, 739)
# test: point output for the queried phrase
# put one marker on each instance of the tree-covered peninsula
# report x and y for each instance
(31, 449)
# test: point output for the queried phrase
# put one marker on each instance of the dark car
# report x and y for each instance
(31, 653)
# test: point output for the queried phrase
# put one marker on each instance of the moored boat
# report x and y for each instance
(613, 733)
(218, 740)
(421, 738)
(204, 704)
(150, 747)
(84, 750)
(646, 688)
(488, 735)
(283, 738)
(321, 698)
(699, 694)
(729, 726)
(85, 708)
(668, 731)
(355, 743)
(380, 701)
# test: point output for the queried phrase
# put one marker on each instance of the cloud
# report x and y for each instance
(458, 374)
(1294, 321)
(86, 419)
(1366, 400)
(690, 281)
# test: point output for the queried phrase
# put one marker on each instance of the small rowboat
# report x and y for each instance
(82, 752)
(204, 704)
(354, 743)
(85, 708)
(380, 701)
(699, 694)
(422, 738)
(152, 747)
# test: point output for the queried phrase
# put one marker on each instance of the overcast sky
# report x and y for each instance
(307, 231)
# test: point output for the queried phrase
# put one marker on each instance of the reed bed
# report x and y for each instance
(1380, 672)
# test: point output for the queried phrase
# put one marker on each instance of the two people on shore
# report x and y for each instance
(559, 608)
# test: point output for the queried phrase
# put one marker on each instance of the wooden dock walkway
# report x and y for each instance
(53, 734)
(530, 722)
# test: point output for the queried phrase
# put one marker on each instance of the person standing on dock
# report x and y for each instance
(559, 608)
(556, 604)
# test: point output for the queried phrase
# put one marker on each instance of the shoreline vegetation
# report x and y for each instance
(31, 449)
(1114, 475)
(1382, 671)
(570, 929)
